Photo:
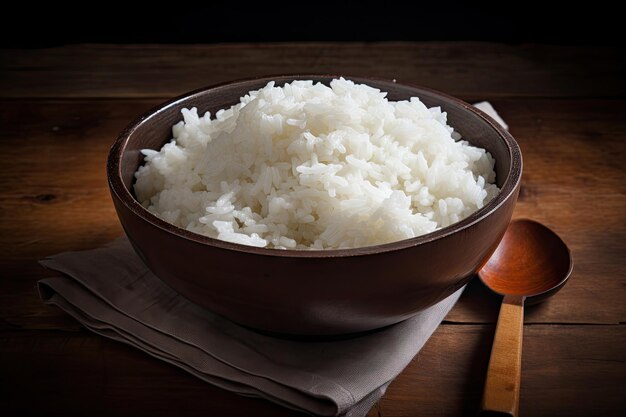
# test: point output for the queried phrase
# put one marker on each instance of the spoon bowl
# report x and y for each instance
(530, 263)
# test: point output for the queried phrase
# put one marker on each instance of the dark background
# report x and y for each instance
(30, 25)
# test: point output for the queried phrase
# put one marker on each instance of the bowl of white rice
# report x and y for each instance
(315, 205)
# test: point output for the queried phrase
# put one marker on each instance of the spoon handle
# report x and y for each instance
(501, 395)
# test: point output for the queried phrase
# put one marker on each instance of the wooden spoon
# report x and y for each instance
(530, 262)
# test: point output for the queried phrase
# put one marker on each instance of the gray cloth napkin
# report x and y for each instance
(111, 292)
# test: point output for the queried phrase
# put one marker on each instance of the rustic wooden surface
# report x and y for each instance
(61, 108)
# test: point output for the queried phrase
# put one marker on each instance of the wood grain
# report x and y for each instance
(566, 371)
(61, 108)
(108, 378)
(471, 70)
(502, 385)
(54, 197)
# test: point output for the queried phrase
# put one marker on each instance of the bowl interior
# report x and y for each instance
(151, 131)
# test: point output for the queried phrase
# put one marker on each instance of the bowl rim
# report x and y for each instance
(116, 184)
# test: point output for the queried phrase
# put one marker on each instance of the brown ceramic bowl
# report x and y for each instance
(313, 292)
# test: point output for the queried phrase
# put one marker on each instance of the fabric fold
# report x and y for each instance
(112, 293)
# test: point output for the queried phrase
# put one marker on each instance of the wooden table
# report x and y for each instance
(62, 108)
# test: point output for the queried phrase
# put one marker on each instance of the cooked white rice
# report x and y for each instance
(309, 166)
